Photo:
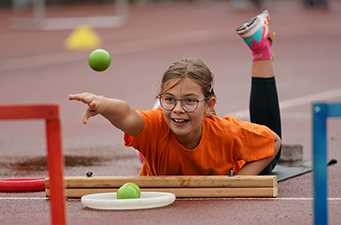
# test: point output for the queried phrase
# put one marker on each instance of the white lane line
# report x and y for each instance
(308, 99)
(23, 198)
(296, 115)
(305, 199)
(292, 199)
(262, 198)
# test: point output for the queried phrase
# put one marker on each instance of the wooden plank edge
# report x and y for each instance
(170, 181)
(183, 192)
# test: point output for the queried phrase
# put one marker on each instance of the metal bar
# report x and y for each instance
(334, 109)
(50, 113)
(55, 166)
(14, 112)
(320, 114)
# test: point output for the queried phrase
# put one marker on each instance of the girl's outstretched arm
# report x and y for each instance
(118, 112)
(255, 167)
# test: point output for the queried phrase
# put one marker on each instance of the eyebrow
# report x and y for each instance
(186, 95)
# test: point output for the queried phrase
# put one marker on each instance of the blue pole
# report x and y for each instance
(320, 114)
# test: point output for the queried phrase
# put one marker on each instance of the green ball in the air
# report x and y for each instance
(99, 60)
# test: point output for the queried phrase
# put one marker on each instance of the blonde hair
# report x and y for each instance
(192, 68)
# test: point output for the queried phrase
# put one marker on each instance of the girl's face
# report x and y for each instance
(186, 126)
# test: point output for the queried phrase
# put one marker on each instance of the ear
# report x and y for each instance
(210, 106)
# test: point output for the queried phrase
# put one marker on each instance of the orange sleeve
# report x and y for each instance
(150, 124)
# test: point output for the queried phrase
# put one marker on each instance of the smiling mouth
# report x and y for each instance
(180, 121)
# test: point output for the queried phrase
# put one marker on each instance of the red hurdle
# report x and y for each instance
(55, 160)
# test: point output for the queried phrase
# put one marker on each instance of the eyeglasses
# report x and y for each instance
(188, 104)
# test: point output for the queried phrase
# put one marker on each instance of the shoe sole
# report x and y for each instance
(249, 28)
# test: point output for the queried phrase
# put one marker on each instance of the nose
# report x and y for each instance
(178, 107)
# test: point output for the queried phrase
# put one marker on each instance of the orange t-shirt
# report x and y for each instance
(226, 143)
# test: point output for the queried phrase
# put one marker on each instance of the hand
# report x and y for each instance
(118, 112)
(95, 103)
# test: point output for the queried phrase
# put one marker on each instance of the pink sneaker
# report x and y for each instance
(256, 34)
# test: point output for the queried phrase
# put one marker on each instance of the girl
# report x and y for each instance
(184, 136)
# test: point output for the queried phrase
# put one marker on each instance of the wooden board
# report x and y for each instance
(170, 181)
(183, 192)
(181, 186)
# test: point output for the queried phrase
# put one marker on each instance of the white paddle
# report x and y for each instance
(108, 201)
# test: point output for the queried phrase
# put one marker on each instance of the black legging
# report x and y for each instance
(264, 110)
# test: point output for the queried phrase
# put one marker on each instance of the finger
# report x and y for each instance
(78, 97)
(92, 104)
(84, 118)
(85, 98)
(88, 113)
(72, 97)
(90, 99)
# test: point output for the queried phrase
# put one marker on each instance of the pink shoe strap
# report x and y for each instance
(264, 53)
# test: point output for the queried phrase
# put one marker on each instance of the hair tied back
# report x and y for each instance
(211, 87)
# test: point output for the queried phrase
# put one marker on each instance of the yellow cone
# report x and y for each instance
(83, 37)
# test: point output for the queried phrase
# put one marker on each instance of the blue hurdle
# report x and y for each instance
(321, 111)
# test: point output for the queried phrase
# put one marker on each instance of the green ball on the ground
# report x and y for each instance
(128, 190)
(99, 60)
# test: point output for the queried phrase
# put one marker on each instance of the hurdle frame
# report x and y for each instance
(55, 160)
(40, 22)
(321, 112)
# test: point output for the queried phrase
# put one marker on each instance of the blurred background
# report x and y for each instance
(44, 48)
(17, 4)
